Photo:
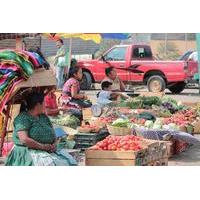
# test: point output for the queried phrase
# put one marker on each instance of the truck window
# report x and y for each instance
(141, 52)
(116, 54)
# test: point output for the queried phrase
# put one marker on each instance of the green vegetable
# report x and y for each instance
(165, 113)
(149, 101)
(157, 126)
(174, 127)
(148, 124)
(147, 116)
(122, 123)
(69, 121)
(158, 122)
(169, 100)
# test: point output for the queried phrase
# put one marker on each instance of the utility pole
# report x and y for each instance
(165, 44)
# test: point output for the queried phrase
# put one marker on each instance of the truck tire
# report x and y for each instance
(156, 83)
(86, 82)
(177, 88)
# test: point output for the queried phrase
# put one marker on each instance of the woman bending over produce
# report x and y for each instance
(72, 98)
(34, 137)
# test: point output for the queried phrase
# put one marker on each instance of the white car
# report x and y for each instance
(193, 56)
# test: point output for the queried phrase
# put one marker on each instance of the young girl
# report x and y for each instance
(71, 98)
(51, 103)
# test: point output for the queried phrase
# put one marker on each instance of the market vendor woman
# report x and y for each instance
(34, 137)
(71, 95)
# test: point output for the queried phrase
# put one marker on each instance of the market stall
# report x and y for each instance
(157, 120)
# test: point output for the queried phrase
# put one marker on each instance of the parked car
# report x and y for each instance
(192, 58)
(135, 64)
(186, 55)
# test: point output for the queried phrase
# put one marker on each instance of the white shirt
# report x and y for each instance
(104, 98)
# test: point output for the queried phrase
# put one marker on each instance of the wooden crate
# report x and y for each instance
(160, 162)
(196, 127)
(170, 148)
(114, 158)
(87, 113)
(151, 94)
(153, 151)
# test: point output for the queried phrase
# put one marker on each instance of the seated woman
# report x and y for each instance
(34, 137)
(71, 97)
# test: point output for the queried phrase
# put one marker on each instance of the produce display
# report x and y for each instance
(125, 123)
(182, 118)
(69, 121)
(119, 143)
(88, 128)
(149, 101)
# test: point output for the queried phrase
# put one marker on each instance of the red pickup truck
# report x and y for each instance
(135, 65)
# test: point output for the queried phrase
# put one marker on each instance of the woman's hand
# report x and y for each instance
(49, 147)
(85, 97)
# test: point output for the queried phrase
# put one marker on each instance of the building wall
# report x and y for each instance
(79, 46)
(181, 45)
(7, 44)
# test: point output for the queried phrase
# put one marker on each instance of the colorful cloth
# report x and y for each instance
(15, 66)
(68, 85)
(41, 130)
(66, 98)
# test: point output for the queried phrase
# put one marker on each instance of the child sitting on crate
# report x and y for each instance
(51, 103)
(106, 96)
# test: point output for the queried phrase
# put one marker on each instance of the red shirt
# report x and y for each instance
(50, 101)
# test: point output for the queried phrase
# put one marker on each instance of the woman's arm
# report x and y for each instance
(61, 53)
(75, 95)
(30, 143)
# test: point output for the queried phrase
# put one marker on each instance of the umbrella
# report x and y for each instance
(95, 37)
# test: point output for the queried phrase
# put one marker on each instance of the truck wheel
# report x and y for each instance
(177, 88)
(86, 82)
(156, 84)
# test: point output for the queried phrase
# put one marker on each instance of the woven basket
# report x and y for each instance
(119, 130)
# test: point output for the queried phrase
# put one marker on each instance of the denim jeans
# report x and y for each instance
(60, 76)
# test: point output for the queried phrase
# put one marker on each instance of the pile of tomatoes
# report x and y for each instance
(119, 143)
(107, 120)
